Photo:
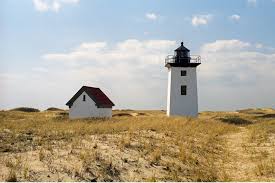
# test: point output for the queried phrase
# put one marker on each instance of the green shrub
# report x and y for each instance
(54, 109)
(235, 120)
(25, 109)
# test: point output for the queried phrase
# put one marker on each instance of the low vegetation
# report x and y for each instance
(25, 109)
(138, 146)
(54, 109)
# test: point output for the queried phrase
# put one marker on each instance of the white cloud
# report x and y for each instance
(40, 5)
(51, 5)
(146, 33)
(252, 2)
(233, 74)
(56, 6)
(146, 52)
(259, 45)
(235, 17)
(40, 69)
(224, 45)
(201, 19)
(151, 16)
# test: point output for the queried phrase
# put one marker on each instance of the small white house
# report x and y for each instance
(90, 102)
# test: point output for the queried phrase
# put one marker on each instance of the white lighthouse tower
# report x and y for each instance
(182, 98)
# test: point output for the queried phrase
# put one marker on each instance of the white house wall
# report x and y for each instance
(178, 104)
(85, 109)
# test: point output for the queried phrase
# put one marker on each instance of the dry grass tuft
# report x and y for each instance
(155, 157)
(265, 168)
(12, 176)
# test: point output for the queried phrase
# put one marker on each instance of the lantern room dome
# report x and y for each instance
(182, 48)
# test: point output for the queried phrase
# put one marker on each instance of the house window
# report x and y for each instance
(84, 98)
(183, 89)
(183, 73)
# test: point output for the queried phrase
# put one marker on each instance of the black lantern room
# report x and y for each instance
(182, 58)
(182, 54)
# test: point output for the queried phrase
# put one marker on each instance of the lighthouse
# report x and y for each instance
(182, 96)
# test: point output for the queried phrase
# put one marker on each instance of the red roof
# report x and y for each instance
(101, 100)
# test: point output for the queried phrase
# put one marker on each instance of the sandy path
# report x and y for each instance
(239, 165)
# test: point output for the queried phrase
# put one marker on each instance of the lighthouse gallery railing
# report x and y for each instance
(193, 59)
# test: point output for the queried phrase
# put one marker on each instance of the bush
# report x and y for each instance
(25, 109)
(268, 116)
(122, 114)
(54, 109)
(235, 120)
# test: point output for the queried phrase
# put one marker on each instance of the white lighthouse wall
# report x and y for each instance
(168, 111)
(177, 104)
(88, 108)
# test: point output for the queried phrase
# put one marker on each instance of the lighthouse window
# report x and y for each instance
(183, 73)
(84, 98)
(183, 89)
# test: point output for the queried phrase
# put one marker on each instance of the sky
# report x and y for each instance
(50, 48)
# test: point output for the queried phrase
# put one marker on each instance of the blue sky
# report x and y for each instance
(50, 48)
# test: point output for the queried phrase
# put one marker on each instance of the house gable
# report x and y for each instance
(87, 103)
